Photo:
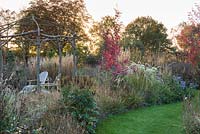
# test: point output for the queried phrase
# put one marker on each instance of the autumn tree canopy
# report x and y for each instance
(106, 26)
(56, 17)
(189, 41)
(66, 15)
(146, 34)
(189, 37)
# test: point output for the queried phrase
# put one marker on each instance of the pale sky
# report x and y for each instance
(169, 12)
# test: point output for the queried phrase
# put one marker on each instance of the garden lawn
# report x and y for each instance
(164, 119)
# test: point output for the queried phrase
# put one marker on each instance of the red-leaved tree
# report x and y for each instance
(189, 41)
(189, 37)
(111, 46)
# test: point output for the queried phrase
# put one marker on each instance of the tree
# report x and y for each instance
(189, 37)
(107, 26)
(111, 35)
(194, 15)
(189, 41)
(57, 17)
(63, 16)
(6, 16)
(146, 34)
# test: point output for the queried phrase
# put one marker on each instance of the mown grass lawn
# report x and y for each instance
(164, 119)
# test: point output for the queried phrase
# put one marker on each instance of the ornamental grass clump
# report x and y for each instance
(149, 86)
(191, 115)
(8, 112)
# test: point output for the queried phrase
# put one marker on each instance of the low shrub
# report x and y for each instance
(81, 105)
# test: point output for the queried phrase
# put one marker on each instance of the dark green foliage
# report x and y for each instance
(92, 60)
(51, 53)
(82, 106)
(177, 90)
(167, 92)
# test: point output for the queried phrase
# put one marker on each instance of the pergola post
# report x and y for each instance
(60, 57)
(74, 56)
(38, 43)
(1, 66)
(38, 62)
(60, 63)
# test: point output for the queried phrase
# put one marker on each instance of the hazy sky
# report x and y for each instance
(169, 12)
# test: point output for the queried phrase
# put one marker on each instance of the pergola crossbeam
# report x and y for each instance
(21, 34)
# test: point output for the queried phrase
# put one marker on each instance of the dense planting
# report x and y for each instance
(62, 72)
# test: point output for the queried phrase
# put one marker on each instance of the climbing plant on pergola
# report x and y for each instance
(38, 39)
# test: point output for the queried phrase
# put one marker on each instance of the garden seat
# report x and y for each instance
(32, 87)
(56, 83)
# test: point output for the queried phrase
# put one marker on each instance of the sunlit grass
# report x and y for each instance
(165, 119)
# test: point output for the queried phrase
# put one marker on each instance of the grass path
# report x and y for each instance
(165, 119)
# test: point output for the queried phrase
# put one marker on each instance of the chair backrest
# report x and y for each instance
(43, 77)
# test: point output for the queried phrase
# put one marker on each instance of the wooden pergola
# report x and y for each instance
(40, 38)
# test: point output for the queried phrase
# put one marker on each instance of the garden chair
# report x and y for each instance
(56, 83)
(31, 87)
